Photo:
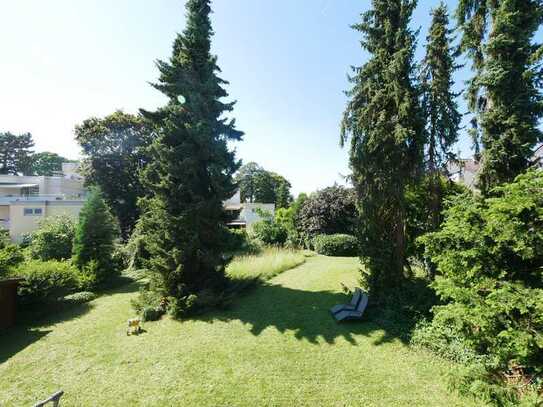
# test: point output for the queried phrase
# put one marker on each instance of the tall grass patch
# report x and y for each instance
(265, 265)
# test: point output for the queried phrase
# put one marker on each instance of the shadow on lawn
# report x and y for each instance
(33, 324)
(306, 314)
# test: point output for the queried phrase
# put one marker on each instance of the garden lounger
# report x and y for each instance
(54, 399)
(355, 313)
(354, 302)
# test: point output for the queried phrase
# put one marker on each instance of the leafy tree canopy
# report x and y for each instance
(15, 153)
(259, 185)
(46, 163)
(115, 153)
(329, 211)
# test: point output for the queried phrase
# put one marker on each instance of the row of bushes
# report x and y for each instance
(61, 257)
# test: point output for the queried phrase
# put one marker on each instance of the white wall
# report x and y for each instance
(249, 212)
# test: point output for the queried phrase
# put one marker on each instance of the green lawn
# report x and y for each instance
(276, 346)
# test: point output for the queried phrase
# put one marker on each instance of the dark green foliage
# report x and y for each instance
(287, 218)
(328, 211)
(489, 254)
(384, 123)
(114, 147)
(148, 306)
(238, 241)
(421, 217)
(136, 249)
(440, 109)
(258, 185)
(11, 256)
(46, 281)
(53, 240)
(94, 239)
(46, 163)
(15, 153)
(505, 92)
(439, 101)
(5, 239)
(336, 245)
(268, 231)
(191, 169)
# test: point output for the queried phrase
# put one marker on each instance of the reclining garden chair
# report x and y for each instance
(54, 399)
(354, 310)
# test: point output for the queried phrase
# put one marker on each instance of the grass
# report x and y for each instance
(276, 346)
(265, 265)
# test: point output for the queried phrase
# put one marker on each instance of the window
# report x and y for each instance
(33, 211)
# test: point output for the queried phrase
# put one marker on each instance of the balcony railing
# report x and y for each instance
(36, 198)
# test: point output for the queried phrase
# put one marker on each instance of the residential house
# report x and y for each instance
(465, 171)
(26, 200)
(244, 214)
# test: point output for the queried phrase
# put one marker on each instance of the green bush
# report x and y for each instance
(94, 239)
(336, 245)
(329, 211)
(489, 256)
(136, 249)
(5, 239)
(53, 240)
(10, 256)
(238, 241)
(268, 232)
(46, 281)
(149, 306)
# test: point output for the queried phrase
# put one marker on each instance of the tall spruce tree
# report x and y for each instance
(505, 91)
(384, 123)
(439, 106)
(191, 168)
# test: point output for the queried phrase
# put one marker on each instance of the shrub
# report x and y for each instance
(238, 241)
(94, 239)
(149, 306)
(46, 281)
(336, 245)
(136, 250)
(489, 255)
(10, 256)
(268, 232)
(328, 211)
(80, 297)
(53, 240)
(5, 239)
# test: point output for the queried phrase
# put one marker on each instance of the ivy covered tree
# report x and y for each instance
(191, 169)
(384, 123)
(505, 91)
(115, 152)
(440, 108)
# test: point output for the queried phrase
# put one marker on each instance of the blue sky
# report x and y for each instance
(287, 62)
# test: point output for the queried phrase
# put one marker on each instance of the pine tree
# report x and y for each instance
(440, 107)
(94, 238)
(384, 123)
(190, 174)
(505, 91)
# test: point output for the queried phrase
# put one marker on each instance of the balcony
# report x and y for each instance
(7, 199)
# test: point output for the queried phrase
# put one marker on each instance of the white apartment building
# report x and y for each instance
(26, 200)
